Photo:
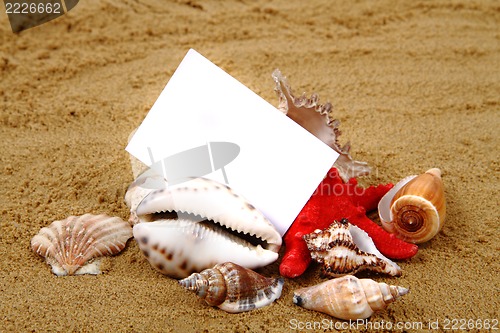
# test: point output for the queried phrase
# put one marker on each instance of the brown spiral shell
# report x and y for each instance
(418, 209)
(233, 288)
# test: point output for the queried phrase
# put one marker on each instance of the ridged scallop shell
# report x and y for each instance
(70, 245)
(348, 297)
(233, 288)
(315, 117)
(415, 208)
(343, 248)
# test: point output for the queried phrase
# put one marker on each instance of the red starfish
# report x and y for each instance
(334, 200)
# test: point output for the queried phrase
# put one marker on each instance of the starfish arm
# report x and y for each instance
(296, 258)
(368, 198)
(316, 214)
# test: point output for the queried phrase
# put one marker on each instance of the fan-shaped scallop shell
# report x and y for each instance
(415, 208)
(348, 297)
(343, 249)
(234, 288)
(70, 245)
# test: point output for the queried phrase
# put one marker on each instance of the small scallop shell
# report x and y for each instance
(343, 249)
(234, 288)
(348, 297)
(415, 208)
(70, 245)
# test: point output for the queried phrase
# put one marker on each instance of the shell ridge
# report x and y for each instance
(106, 231)
(40, 246)
(209, 197)
(86, 227)
(319, 123)
(70, 245)
(88, 232)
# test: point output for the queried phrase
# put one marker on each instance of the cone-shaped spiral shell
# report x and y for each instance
(233, 288)
(348, 297)
(415, 208)
(343, 248)
(70, 245)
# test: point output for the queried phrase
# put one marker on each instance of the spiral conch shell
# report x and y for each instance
(316, 118)
(348, 297)
(233, 288)
(415, 208)
(72, 246)
(343, 249)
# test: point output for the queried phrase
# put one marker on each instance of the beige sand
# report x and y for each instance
(416, 85)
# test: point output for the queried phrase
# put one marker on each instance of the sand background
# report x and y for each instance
(416, 85)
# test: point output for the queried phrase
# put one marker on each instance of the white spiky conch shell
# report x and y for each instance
(348, 297)
(315, 118)
(72, 246)
(233, 288)
(415, 208)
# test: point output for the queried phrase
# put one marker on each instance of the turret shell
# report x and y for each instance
(70, 245)
(415, 208)
(348, 297)
(233, 288)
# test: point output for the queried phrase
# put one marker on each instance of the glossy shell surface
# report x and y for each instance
(234, 288)
(415, 209)
(348, 297)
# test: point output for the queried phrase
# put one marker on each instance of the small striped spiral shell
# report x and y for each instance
(233, 288)
(70, 245)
